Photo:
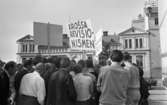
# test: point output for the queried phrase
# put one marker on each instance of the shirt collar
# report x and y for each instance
(115, 64)
(127, 63)
(36, 73)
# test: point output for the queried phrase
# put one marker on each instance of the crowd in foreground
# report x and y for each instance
(60, 81)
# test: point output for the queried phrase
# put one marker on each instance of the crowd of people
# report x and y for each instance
(60, 81)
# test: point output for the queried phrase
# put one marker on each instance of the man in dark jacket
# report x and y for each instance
(7, 92)
(19, 75)
(61, 90)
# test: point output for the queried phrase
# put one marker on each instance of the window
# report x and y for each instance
(31, 48)
(139, 61)
(136, 43)
(139, 43)
(128, 43)
(24, 48)
(156, 21)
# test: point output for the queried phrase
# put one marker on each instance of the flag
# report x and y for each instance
(98, 42)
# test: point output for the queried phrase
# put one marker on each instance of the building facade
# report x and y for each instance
(142, 40)
(163, 34)
(136, 42)
(28, 49)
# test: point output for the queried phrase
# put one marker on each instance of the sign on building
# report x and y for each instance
(81, 35)
(48, 34)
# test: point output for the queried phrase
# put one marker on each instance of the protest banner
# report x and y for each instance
(81, 35)
(98, 46)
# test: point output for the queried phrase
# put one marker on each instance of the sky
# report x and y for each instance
(17, 17)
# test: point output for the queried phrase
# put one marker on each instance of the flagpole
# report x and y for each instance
(48, 37)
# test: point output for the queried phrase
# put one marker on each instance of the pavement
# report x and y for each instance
(158, 96)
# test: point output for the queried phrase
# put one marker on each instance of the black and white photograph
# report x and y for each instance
(83, 52)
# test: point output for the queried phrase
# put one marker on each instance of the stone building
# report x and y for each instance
(142, 40)
(163, 34)
(27, 49)
(136, 42)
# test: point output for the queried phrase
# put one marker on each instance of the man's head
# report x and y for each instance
(40, 68)
(11, 67)
(116, 56)
(28, 64)
(89, 63)
(126, 56)
(76, 68)
(64, 62)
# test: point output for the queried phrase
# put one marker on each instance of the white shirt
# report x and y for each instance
(32, 84)
(83, 84)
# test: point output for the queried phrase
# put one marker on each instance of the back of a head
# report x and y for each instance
(19, 66)
(76, 68)
(40, 67)
(116, 56)
(49, 67)
(10, 67)
(126, 56)
(56, 61)
(102, 62)
(64, 62)
(89, 63)
(82, 63)
(37, 59)
(2, 63)
(27, 63)
(10, 64)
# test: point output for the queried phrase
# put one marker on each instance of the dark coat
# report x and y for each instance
(61, 90)
(144, 92)
(4, 88)
(27, 100)
(18, 77)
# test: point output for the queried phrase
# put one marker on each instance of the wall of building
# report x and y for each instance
(155, 54)
(144, 52)
(163, 33)
(156, 71)
(139, 23)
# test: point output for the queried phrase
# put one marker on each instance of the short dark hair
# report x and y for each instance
(89, 63)
(126, 56)
(64, 62)
(116, 56)
(76, 68)
(27, 63)
(82, 63)
(37, 59)
(10, 64)
(55, 60)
